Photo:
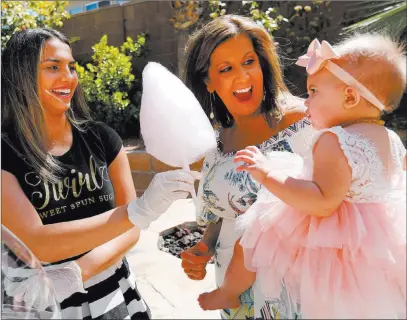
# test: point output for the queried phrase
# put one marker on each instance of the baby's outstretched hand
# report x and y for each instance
(255, 163)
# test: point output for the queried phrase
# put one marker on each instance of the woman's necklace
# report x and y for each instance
(364, 120)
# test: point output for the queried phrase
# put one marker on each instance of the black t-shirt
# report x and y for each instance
(84, 190)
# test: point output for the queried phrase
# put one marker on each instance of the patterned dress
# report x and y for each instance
(227, 194)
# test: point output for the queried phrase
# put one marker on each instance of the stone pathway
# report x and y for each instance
(169, 293)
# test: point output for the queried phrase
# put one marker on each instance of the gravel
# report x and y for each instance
(180, 239)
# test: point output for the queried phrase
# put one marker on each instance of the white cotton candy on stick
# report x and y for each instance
(174, 127)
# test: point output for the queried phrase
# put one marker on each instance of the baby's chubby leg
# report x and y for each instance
(237, 280)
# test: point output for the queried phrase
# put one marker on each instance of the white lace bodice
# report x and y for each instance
(371, 180)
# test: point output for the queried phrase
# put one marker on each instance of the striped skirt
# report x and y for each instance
(112, 294)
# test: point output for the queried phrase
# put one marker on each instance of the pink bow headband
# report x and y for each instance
(318, 56)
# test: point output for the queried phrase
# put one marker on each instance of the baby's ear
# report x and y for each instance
(351, 98)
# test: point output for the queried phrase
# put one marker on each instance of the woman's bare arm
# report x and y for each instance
(113, 251)
(58, 241)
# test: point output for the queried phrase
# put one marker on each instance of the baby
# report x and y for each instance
(334, 231)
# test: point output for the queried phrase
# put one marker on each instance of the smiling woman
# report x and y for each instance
(233, 68)
(36, 73)
(70, 195)
(238, 79)
(57, 79)
(65, 164)
(235, 51)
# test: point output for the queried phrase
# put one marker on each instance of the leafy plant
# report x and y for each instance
(20, 15)
(110, 85)
(186, 14)
(305, 23)
(216, 8)
(269, 19)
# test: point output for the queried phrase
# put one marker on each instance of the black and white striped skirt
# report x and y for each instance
(111, 294)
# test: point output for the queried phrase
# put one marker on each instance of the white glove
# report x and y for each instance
(164, 189)
(38, 289)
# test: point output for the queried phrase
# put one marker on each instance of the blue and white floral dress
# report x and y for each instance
(225, 193)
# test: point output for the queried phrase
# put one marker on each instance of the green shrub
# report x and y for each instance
(270, 19)
(20, 15)
(110, 85)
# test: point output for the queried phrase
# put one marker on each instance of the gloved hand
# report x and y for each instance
(37, 290)
(164, 189)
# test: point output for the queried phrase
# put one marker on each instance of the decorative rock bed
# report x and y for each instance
(181, 237)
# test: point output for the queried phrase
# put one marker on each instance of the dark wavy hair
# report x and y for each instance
(199, 49)
(20, 106)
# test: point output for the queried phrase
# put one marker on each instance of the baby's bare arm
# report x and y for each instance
(331, 180)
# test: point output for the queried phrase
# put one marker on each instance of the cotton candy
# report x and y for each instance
(174, 127)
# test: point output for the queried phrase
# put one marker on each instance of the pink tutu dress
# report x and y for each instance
(351, 265)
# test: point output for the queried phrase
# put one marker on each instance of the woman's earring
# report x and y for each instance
(211, 115)
(264, 95)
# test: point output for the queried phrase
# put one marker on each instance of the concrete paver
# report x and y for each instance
(169, 293)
